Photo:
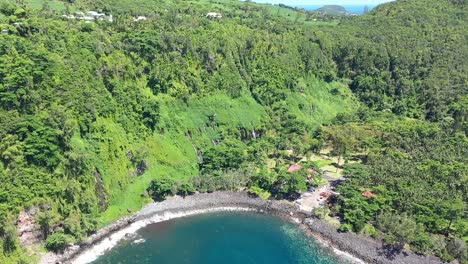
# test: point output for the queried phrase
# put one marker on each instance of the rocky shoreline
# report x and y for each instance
(367, 249)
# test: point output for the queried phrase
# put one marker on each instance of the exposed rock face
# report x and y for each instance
(141, 167)
(100, 191)
(28, 230)
(199, 154)
(130, 155)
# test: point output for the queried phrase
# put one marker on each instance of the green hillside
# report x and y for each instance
(98, 118)
(334, 10)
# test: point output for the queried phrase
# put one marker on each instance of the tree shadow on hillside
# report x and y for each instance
(390, 251)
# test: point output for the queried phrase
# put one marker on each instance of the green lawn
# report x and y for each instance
(53, 4)
(321, 101)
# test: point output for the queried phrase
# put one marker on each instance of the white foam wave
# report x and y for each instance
(348, 256)
(296, 220)
(138, 241)
(112, 240)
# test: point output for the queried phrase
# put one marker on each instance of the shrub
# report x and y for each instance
(457, 248)
(161, 187)
(369, 230)
(9, 238)
(260, 192)
(345, 228)
(185, 188)
(57, 242)
(321, 212)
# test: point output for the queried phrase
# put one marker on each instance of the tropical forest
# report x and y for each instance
(107, 105)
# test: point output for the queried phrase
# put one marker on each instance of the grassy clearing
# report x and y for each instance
(53, 4)
(295, 16)
(207, 117)
(320, 160)
(240, 112)
(327, 163)
(321, 102)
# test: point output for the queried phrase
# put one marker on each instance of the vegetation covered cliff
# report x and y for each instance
(98, 116)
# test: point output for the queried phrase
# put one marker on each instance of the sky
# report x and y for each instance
(324, 2)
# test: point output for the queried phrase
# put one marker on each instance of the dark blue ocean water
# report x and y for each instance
(222, 238)
(355, 9)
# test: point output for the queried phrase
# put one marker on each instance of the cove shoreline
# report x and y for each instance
(356, 248)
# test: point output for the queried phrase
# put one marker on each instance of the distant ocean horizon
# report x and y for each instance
(355, 9)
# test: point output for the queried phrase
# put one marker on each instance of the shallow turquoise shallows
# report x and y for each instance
(221, 238)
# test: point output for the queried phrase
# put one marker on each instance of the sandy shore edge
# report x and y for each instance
(355, 248)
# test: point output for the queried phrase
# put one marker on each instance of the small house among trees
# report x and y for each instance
(368, 194)
(294, 167)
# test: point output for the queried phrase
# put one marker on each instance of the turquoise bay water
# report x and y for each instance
(227, 237)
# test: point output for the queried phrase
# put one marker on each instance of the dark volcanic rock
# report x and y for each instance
(364, 248)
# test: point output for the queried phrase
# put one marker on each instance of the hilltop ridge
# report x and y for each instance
(335, 10)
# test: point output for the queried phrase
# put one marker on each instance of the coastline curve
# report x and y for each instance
(357, 249)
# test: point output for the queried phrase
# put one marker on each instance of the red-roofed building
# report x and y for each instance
(294, 167)
(368, 194)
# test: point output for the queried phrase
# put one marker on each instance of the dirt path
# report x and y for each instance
(311, 200)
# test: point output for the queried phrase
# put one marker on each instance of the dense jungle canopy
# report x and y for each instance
(99, 117)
